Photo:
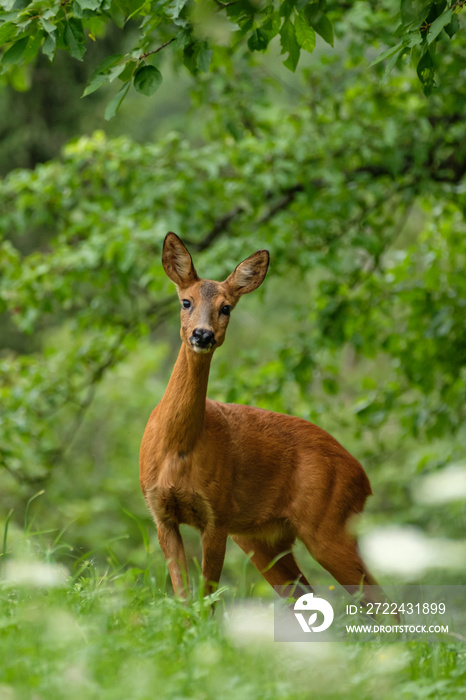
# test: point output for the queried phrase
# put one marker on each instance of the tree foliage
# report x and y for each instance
(352, 178)
(205, 33)
(357, 195)
(421, 24)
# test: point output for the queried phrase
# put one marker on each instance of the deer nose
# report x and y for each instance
(202, 337)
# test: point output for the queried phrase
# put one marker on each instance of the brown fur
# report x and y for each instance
(264, 478)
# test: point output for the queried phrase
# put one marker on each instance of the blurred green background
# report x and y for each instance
(355, 182)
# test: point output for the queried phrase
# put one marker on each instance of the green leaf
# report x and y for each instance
(82, 8)
(387, 53)
(183, 38)
(107, 77)
(438, 24)
(74, 38)
(106, 64)
(271, 23)
(313, 10)
(91, 5)
(324, 28)
(7, 32)
(258, 41)
(392, 62)
(118, 14)
(204, 57)
(197, 56)
(175, 7)
(301, 4)
(147, 80)
(286, 8)
(190, 57)
(49, 27)
(128, 71)
(426, 72)
(414, 11)
(305, 34)
(241, 12)
(49, 46)
(33, 47)
(289, 43)
(16, 52)
(453, 27)
(110, 68)
(140, 6)
(116, 101)
(413, 39)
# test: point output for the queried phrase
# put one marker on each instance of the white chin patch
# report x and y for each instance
(201, 351)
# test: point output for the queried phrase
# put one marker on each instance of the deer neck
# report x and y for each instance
(182, 408)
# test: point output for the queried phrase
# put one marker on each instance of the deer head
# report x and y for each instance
(205, 304)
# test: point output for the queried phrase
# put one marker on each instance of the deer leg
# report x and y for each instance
(284, 571)
(172, 547)
(214, 542)
(340, 556)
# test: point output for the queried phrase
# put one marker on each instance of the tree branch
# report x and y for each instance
(285, 201)
(150, 53)
(219, 227)
(286, 197)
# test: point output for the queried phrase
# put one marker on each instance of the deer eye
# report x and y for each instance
(186, 304)
(225, 310)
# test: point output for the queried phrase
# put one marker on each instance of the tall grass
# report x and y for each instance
(119, 634)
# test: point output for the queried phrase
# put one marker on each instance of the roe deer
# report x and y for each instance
(263, 478)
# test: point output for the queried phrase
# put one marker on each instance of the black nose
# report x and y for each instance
(202, 337)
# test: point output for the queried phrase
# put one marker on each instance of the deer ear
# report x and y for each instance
(177, 262)
(249, 274)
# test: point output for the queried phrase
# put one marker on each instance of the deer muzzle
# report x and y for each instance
(202, 340)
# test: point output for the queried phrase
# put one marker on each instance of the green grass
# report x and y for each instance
(119, 635)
